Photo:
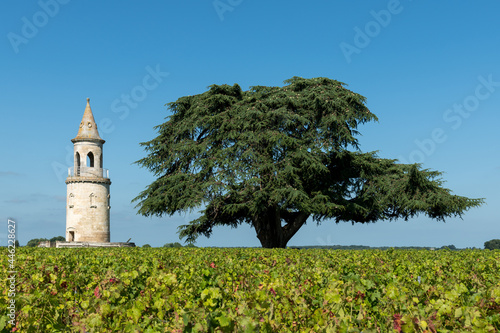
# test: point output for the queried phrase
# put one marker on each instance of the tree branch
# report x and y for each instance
(291, 228)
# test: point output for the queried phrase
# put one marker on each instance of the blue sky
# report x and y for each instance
(429, 71)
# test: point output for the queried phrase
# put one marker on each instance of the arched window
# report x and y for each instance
(70, 200)
(92, 201)
(77, 164)
(90, 160)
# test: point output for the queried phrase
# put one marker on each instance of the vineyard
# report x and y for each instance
(253, 290)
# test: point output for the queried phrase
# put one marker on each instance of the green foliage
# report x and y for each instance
(254, 290)
(493, 244)
(272, 157)
(35, 241)
(146, 245)
(176, 244)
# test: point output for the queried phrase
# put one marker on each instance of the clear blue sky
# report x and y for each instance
(429, 70)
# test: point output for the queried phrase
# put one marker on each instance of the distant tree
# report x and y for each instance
(146, 245)
(450, 247)
(16, 243)
(176, 244)
(35, 241)
(492, 244)
(190, 245)
(58, 238)
(273, 157)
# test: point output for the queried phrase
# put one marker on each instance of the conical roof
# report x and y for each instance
(88, 127)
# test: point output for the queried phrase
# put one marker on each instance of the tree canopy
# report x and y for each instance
(35, 241)
(274, 156)
(176, 244)
(492, 244)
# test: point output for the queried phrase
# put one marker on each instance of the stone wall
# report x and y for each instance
(46, 244)
(92, 244)
(87, 209)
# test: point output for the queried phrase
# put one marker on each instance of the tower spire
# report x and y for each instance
(88, 127)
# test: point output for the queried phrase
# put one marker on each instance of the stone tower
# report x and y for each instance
(88, 200)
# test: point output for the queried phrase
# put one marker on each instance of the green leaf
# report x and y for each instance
(224, 321)
(3, 322)
(84, 304)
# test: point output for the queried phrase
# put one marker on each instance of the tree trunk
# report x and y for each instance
(270, 232)
(272, 238)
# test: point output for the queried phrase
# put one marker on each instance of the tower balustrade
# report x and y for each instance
(83, 171)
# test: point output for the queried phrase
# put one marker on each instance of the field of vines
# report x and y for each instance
(252, 290)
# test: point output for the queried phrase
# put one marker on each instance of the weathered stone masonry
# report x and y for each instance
(88, 198)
